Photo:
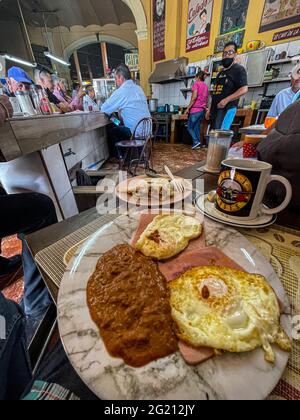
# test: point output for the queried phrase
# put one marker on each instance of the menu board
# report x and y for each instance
(279, 13)
(234, 15)
(159, 29)
(199, 24)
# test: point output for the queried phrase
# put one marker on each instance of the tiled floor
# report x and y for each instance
(12, 246)
(177, 157)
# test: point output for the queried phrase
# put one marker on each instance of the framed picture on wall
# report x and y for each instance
(199, 24)
(237, 37)
(234, 15)
(279, 13)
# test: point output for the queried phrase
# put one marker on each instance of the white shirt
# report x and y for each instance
(131, 102)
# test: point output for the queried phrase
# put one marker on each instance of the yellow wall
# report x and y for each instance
(176, 28)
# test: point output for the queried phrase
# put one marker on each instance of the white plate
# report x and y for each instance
(232, 376)
(144, 201)
(208, 209)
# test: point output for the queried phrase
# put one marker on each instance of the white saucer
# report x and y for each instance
(208, 209)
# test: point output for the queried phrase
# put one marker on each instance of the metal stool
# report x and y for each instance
(137, 150)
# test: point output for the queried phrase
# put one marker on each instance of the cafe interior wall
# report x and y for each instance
(175, 39)
(176, 21)
(12, 40)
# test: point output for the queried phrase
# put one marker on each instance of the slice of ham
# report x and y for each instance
(201, 257)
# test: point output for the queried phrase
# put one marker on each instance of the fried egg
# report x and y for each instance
(227, 310)
(168, 235)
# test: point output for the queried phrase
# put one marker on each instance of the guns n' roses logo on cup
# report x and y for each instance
(234, 192)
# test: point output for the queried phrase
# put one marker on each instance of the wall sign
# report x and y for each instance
(279, 13)
(159, 29)
(199, 24)
(132, 60)
(289, 33)
(237, 37)
(234, 15)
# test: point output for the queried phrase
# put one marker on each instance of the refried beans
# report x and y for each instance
(129, 301)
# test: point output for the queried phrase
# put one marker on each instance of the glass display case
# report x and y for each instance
(104, 88)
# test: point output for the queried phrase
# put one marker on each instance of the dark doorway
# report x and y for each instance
(91, 60)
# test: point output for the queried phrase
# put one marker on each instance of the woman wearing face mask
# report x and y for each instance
(230, 86)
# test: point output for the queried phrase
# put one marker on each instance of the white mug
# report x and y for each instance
(242, 186)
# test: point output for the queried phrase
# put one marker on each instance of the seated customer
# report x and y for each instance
(130, 102)
(282, 150)
(17, 80)
(60, 92)
(55, 378)
(90, 101)
(44, 79)
(286, 97)
(23, 214)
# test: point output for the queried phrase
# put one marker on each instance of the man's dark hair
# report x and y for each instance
(123, 70)
(204, 11)
(232, 44)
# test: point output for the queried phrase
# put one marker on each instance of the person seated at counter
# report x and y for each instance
(23, 214)
(230, 85)
(44, 79)
(130, 102)
(17, 80)
(282, 150)
(90, 101)
(197, 109)
(60, 92)
(286, 97)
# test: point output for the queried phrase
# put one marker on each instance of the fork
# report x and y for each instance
(178, 185)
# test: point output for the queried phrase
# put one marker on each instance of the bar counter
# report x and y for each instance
(39, 153)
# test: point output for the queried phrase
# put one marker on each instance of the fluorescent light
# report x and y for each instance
(19, 60)
(55, 58)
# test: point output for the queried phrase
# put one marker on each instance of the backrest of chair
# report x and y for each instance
(143, 129)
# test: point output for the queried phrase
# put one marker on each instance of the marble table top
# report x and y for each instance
(232, 376)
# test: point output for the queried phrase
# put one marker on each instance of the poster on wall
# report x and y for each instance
(159, 29)
(221, 41)
(199, 24)
(279, 13)
(234, 15)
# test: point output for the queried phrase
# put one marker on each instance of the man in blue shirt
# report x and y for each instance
(286, 97)
(130, 102)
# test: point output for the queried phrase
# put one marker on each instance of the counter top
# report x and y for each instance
(22, 136)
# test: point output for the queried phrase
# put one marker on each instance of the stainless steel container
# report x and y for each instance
(25, 103)
(218, 148)
(36, 95)
(153, 105)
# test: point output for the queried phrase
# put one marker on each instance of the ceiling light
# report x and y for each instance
(55, 58)
(19, 60)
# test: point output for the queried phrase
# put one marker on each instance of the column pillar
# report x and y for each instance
(78, 70)
(104, 57)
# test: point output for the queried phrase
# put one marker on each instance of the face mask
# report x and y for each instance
(227, 62)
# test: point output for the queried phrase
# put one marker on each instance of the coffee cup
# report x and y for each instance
(242, 186)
